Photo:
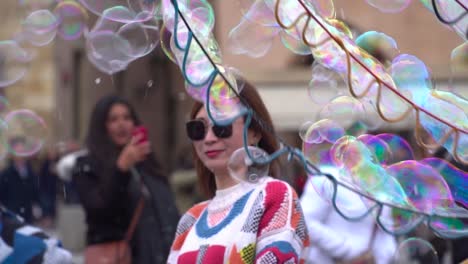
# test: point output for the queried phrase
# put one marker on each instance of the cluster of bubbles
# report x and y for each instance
(393, 84)
(120, 37)
(452, 12)
(66, 19)
(383, 168)
(206, 78)
(123, 32)
(22, 131)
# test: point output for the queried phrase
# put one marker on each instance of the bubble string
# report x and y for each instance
(377, 79)
(419, 137)
(455, 20)
(250, 113)
(308, 166)
(443, 20)
(379, 106)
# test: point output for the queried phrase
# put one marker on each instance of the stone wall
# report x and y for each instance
(35, 91)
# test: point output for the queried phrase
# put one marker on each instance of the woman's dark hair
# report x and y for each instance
(268, 142)
(102, 150)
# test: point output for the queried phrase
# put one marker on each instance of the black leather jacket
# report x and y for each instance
(109, 201)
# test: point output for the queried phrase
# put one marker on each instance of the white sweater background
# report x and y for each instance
(334, 237)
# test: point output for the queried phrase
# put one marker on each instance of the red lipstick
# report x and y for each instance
(212, 153)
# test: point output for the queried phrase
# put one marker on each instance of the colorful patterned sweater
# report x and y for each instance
(246, 223)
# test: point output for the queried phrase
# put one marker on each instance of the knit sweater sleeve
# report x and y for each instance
(184, 226)
(282, 234)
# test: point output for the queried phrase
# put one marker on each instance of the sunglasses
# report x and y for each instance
(197, 129)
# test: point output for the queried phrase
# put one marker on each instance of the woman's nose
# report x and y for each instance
(210, 136)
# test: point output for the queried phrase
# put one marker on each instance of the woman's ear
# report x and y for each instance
(254, 137)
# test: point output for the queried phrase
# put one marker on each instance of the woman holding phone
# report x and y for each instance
(118, 172)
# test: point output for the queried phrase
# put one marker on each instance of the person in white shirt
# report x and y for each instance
(336, 239)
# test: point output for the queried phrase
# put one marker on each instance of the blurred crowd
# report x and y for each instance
(32, 186)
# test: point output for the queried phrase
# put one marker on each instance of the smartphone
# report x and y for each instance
(143, 132)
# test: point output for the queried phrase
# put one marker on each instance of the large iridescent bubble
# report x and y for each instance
(106, 51)
(451, 12)
(40, 27)
(378, 146)
(456, 178)
(416, 250)
(112, 46)
(459, 59)
(400, 148)
(135, 11)
(142, 38)
(410, 74)
(244, 169)
(325, 85)
(345, 110)
(224, 101)
(317, 140)
(365, 172)
(425, 188)
(72, 19)
(14, 62)
(389, 6)
(26, 132)
(379, 45)
(251, 37)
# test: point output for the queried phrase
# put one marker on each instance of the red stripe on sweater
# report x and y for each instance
(275, 193)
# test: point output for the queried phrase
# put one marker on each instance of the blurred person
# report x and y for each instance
(242, 222)
(68, 152)
(19, 184)
(64, 169)
(335, 239)
(24, 244)
(108, 179)
(48, 183)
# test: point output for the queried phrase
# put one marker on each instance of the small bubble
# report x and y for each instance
(150, 83)
(97, 81)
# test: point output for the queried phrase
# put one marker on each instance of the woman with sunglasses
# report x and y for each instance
(108, 180)
(242, 222)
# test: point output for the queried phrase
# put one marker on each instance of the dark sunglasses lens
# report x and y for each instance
(222, 131)
(195, 130)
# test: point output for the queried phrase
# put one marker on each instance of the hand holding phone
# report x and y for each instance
(142, 132)
(136, 151)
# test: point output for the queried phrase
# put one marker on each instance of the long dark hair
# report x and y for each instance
(102, 150)
(268, 142)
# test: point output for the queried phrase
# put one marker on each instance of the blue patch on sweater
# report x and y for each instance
(283, 246)
(204, 231)
(25, 248)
